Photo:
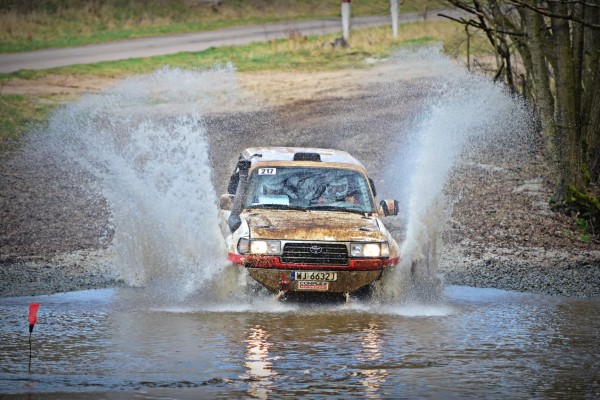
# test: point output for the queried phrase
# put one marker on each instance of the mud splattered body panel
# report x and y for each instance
(305, 220)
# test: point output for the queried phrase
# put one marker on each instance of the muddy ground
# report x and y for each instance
(500, 233)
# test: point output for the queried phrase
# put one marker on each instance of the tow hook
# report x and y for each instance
(284, 283)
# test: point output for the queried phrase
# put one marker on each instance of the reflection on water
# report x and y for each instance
(373, 376)
(475, 343)
(258, 364)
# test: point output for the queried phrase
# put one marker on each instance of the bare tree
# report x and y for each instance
(557, 42)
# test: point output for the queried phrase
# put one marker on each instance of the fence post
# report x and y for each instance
(394, 9)
(346, 18)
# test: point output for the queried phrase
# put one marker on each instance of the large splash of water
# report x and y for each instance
(466, 117)
(144, 141)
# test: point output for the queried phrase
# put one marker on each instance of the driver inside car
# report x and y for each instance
(337, 191)
(272, 188)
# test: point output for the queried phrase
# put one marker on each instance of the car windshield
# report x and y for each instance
(309, 188)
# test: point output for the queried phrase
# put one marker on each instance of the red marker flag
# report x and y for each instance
(33, 309)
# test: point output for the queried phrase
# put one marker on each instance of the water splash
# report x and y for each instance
(144, 142)
(466, 117)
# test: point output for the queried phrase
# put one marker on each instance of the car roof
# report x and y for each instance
(262, 154)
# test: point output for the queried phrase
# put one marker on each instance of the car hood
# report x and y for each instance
(312, 225)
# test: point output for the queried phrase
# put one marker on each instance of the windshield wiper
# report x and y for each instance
(277, 207)
(336, 208)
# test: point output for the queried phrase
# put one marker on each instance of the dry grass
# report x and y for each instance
(380, 42)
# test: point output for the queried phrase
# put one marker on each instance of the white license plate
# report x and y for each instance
(315, 276)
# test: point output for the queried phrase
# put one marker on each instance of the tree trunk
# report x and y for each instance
(578, 11)
(591, 99)
(593, 130)
(567, 139)
(544, 102)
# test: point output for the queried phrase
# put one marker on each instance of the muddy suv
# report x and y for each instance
(305, 220)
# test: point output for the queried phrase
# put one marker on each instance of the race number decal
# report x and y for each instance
(267, 171)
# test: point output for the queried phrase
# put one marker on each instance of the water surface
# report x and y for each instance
(473, 343)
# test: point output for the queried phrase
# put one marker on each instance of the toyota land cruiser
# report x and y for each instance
(305, 220)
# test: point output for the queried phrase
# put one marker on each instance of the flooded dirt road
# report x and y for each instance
(474, 343)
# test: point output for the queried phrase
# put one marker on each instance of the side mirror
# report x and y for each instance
(234, 222)
(389, 207)
(226, 202)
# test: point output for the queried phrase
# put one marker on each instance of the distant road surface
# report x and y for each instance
(190, 42)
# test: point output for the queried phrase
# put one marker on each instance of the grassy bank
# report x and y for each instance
(39, 24)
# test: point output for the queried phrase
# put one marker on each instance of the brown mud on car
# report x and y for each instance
(306, 220)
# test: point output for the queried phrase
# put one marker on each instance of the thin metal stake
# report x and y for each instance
(29, 352)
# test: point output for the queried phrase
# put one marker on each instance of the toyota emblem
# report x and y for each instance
(316, 249)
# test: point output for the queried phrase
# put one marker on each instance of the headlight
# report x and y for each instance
(270, 247)
(373, 250)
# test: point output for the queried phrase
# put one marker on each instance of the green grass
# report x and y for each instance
(17, 111)
(585, 228)
(17, 114)
(585, 238)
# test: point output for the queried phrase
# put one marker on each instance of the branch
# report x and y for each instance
(545, 12)
(583, 3)
(477, 25)
(465, 7)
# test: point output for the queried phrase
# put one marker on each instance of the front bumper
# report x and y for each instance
(271, 273)
(281, 280)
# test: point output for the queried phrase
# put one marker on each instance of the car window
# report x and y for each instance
(309, 188)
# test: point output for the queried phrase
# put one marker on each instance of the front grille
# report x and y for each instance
(315, 253)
